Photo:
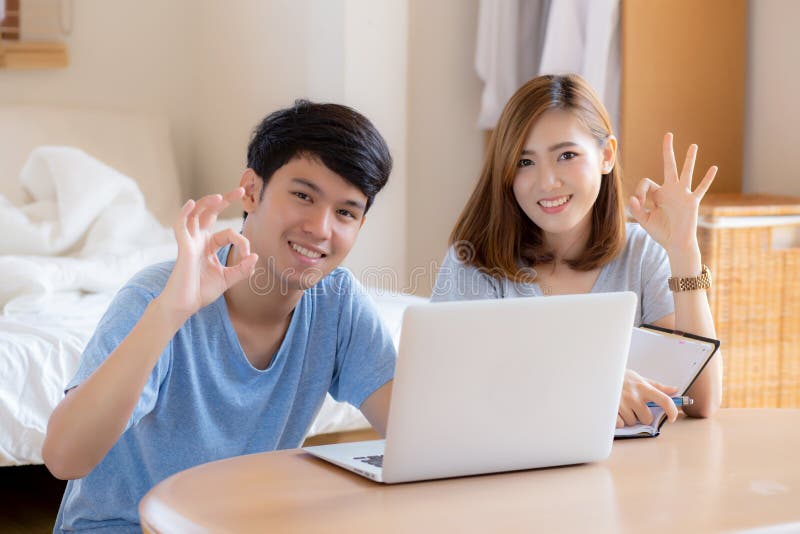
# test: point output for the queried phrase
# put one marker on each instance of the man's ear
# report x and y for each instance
(252, 185)
(609, 154)
(363, 220)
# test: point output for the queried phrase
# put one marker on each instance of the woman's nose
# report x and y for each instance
(549, 180)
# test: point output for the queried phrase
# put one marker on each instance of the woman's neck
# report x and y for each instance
(567, 245)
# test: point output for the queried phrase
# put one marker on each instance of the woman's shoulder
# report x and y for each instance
(460, 257)
(639, 260)
(635, 233)
(458, 278)
(639, 243)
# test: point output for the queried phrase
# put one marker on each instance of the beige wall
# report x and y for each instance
(376, 59)
(772, 105)
(407, 64)
(263, 55)
(245, 62)
(121, 58)
(216, 68)
(445, 147)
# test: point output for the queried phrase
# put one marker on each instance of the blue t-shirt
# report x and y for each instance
(204, 401)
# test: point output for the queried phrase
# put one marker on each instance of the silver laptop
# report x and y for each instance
(499, 385)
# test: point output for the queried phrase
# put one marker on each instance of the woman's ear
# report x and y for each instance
(252, 184)
(609, 153)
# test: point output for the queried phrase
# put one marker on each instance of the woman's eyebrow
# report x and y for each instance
(557, 146)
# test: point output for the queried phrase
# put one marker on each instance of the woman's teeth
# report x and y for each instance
(554, 203)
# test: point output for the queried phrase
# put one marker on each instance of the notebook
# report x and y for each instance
(499, 385)
(670, 357)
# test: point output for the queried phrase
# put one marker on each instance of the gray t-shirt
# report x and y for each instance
(642, 267)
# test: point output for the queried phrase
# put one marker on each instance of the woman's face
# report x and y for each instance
(559, 174)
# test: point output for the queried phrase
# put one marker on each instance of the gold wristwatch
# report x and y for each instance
(692, 283)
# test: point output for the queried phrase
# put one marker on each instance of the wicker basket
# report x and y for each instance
(750, 242)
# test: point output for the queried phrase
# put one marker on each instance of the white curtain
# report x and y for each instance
(519, 39)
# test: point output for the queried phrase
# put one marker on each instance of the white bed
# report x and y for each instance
(55, 282)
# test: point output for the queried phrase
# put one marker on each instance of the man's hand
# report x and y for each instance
(92, 417)
(637, 391)
(198, 277)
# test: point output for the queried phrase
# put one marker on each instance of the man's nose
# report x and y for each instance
(318, 223)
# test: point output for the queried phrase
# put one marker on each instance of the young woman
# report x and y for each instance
(547, 217)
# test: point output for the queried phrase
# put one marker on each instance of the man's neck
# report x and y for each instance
(260, 320)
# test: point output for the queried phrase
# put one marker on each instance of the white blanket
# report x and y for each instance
(85, 228)
(41, 341)
(83, 233)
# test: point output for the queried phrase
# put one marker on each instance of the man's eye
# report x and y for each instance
(347, 213)
(301, 196)
(525, 162)
(569, 155)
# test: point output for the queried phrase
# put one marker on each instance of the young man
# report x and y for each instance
(231, 349)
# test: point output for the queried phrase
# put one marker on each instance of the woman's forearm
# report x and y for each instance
(693, 315)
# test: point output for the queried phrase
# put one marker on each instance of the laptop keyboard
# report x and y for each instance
(376, 460)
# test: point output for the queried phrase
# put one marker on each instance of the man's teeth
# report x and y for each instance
(305, 252)
(554, 203)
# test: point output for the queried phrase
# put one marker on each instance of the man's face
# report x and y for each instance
(305, 224)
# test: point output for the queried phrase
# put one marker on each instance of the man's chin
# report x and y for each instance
(268, 279)
(303, 281)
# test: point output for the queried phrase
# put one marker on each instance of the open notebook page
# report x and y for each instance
(668, 358)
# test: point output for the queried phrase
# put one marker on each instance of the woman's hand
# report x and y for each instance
(669, 211)
(636, 392)
(198, 277)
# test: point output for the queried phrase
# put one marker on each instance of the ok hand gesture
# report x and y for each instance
(198, 277)
(669, 211)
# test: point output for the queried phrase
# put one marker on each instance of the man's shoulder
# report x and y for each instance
(337, 283)
(340, 290)
(152, 279)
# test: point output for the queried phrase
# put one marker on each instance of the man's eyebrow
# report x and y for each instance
(356, 204)
(553, 148)
(311, 185)
(314, 187)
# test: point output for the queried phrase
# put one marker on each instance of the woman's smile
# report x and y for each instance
(555, 204)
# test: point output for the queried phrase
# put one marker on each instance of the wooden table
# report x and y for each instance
(736, 471)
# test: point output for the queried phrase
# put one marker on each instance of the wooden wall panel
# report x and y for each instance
(683, 70)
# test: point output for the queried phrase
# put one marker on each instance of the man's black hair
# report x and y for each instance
(345, 141)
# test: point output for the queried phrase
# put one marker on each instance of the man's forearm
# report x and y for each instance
(91, 418)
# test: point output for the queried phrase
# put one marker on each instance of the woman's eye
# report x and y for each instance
(569, 155)
(525, 162)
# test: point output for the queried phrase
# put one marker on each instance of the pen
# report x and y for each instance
(679, 401)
